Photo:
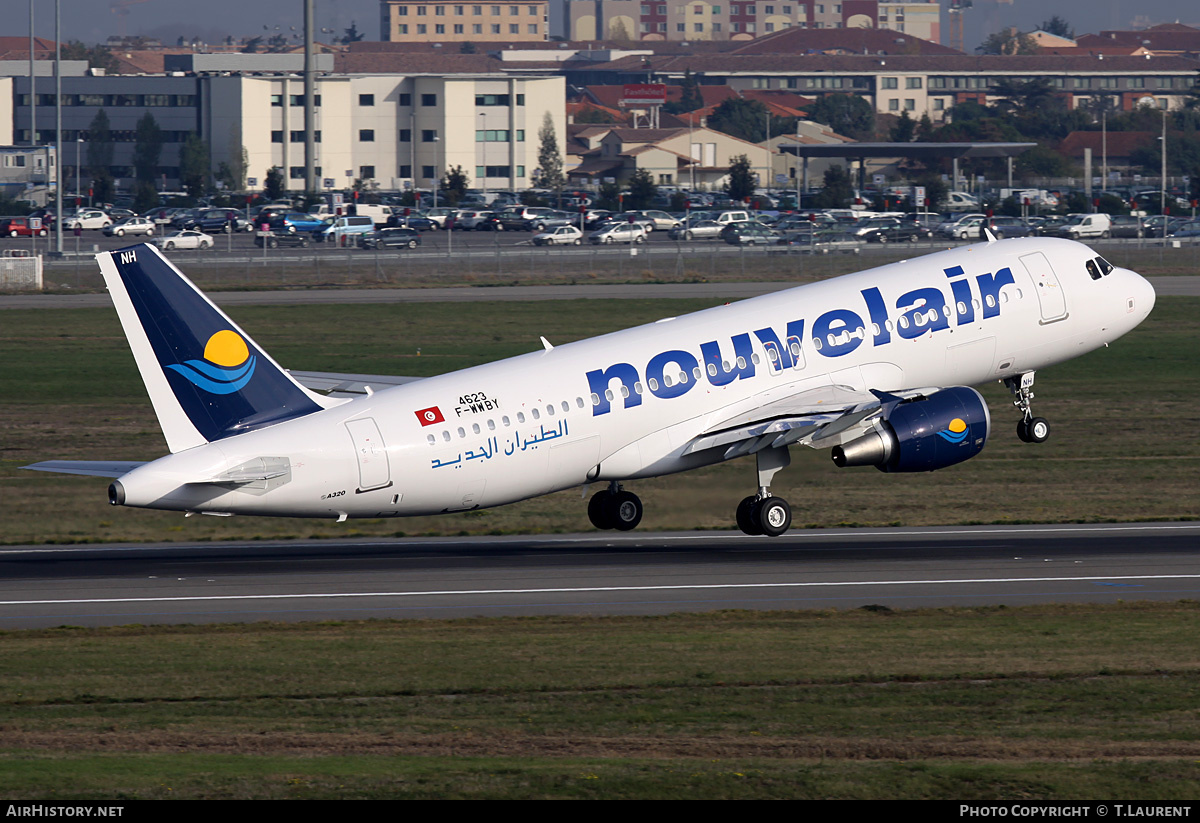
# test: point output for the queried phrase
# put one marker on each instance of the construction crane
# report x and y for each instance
(955, 14)
(121, 9)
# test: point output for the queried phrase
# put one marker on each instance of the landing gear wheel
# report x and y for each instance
(1034, 430)
(598, 511)
(747, 520)
(625, 509)
(774, 516)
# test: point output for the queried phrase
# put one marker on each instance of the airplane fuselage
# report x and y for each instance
(629, 404)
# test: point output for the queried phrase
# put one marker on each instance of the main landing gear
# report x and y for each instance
(1030, 429)
(763, 513)
(615, 508)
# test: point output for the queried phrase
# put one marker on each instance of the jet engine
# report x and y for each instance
(922, 434)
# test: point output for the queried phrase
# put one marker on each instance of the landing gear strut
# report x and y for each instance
(1030, 429)
(615, 508)
(763, 513)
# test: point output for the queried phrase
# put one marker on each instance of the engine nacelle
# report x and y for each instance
(923, 435)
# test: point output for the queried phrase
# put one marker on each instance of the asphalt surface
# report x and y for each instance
(596, 574)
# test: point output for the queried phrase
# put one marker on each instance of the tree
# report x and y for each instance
(146, 153)
(617, 30)
(747, 120)
(846, 114)
(549, 173)
(642, 190)
(904, 130)
(1008, 41)
(689, 96)
(454, 185)
(837, 191)
(607, 197)
(100, 157)
(1058, 27)
(353, 35)
(97, 57)
(740, 183)
(273, 184)
(194, 165)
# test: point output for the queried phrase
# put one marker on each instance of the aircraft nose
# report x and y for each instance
(1142, 296)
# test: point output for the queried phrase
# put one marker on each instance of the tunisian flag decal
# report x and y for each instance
(430, 416)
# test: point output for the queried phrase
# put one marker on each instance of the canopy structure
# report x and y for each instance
(914, 151)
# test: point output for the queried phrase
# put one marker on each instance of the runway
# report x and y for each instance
(596, 574)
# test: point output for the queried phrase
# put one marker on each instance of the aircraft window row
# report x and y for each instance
(506, 421)
(1098, 268)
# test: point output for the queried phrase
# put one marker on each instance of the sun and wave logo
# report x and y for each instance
(226, 368)
(956, 432)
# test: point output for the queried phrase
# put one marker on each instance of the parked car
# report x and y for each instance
(618, 232)
(1084, 226)
(749, 234)
(346, 226)
(559, 236)
(897, 232)
(186, 239)
(131, 225)
(700, 230)
(657, 220)
(220, 220)
(417, 221)
(1125, 225)
(88, 219)
(950, 227)
(21, 227)
(1003, 227)
(275, 239)
(471, 218)
(390, 238)
(825, 242)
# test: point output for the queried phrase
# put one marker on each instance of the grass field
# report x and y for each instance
(1121, 447)
(1047, 702)
(1055, 703)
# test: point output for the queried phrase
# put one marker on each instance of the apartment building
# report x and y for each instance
(922, 84)
(390, 130)
(418, 21)
(624, 20)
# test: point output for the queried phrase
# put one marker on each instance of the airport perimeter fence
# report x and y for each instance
(657, 262)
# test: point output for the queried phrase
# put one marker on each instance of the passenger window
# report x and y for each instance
(1092, 270)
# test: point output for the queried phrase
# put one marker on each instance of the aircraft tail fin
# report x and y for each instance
(206, 378)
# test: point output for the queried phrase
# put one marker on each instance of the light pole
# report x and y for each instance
(483, 131)
(1163, 184)
(436, 173)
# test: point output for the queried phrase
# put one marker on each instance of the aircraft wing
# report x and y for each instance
(813, 415)
(334, 384)
(92, 468)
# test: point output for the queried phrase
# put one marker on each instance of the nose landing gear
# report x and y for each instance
(1030, 429)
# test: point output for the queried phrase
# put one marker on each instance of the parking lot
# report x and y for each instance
(477, 257)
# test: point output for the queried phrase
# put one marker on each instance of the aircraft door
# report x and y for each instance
(1051, 299)
(374, 471)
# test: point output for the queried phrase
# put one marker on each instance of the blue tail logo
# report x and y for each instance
(226, 368)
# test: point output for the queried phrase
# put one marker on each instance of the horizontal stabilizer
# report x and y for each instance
(334, 384)
(92, 468)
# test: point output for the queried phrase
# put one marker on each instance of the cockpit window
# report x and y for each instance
(1092, 270)
(1105, 266)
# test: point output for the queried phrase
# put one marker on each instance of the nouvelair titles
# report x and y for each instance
(835, 333)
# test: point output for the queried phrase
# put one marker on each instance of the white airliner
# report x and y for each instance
(875, 365)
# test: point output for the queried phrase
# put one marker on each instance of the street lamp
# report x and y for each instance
(78, 149)
(1163, 185)
(436, 175)
(483, 130)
